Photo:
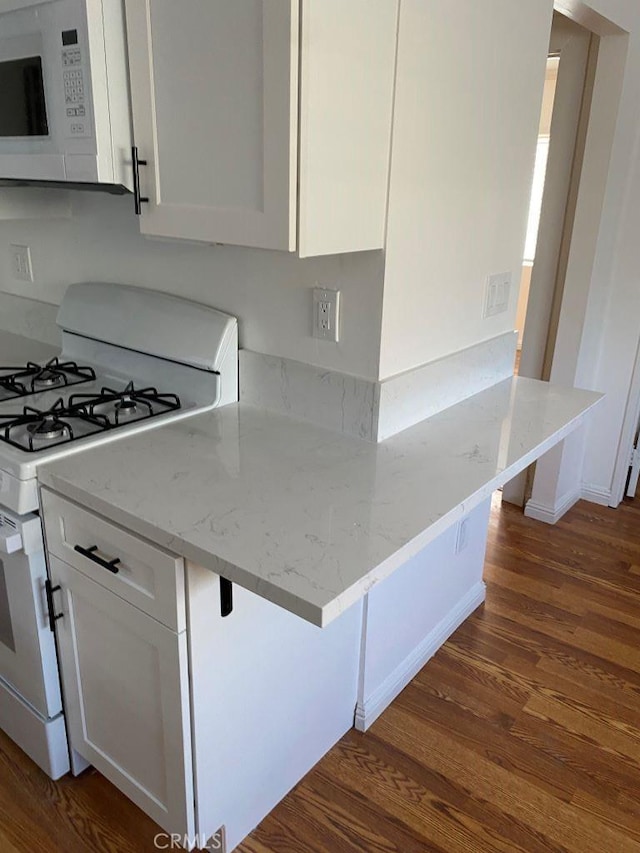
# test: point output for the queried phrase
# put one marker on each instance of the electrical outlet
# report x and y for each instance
(497, 294)
(21, 262)
(326, 314)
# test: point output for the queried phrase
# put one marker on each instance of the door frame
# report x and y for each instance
(574, 355)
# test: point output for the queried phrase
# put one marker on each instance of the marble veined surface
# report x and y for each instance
(305, 517)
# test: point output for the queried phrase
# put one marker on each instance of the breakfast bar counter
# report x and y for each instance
(309, 519)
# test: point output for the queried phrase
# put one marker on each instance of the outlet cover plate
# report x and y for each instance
(326, 314)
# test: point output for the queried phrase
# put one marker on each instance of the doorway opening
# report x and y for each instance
(537, 195)
(549, 264)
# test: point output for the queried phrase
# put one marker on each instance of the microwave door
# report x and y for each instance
(23, 111)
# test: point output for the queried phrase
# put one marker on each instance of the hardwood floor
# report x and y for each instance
(521, 734)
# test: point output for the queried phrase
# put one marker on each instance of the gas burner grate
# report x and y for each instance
(83, 415)
(37, 429)
(11, 387)
(22, 381)
(122, 407)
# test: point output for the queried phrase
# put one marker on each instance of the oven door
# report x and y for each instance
(28, 661)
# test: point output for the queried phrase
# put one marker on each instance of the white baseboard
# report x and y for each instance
(597, 495)
(369, 710)
(551, 514)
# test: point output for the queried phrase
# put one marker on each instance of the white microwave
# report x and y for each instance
(65, 114)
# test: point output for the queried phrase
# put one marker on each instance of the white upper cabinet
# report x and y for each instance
(264, 123)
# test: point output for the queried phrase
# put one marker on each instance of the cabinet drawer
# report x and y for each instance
(147, 576)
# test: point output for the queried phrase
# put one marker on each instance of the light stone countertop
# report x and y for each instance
(307, 518)
(16, 350)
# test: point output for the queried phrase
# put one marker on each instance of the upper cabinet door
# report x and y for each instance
(347, 73)
(214, 87)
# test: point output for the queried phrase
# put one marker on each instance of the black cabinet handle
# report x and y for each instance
(51, 608)
(138, 200)
(109, 565)
(226, 597)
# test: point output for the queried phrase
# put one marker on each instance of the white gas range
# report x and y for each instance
(131, 360)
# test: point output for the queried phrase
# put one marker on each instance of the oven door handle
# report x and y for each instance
(49, 589)
(109, 565)
(10, 544)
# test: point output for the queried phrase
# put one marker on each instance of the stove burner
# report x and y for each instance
(35, 429)
(22, 381)
(54, 373)
(47, 378)
(82, 416)
(49, 428)
(127, 405)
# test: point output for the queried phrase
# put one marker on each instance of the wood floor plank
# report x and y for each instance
(620, 743)
(429, 815)
(552, 621)
(496, 743)
(529, 583)
(548, 818)
(610, 649)
(608, 813)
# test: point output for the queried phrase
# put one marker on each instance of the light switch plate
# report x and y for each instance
(21, 262)
(326, 314)
(497, 294)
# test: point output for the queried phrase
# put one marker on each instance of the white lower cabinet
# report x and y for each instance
(205, 726)
(126, 695)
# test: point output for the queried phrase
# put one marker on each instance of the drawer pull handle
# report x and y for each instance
(109, 565)
(51, 608)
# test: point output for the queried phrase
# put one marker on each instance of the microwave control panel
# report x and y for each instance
(76, 97)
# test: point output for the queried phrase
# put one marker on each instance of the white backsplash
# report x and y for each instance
(368, 409)
(30, 318)
(338, 401)
(333, 400)
(410, 397)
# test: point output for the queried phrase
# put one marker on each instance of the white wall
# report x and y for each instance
(469, 91)
(268, 291)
